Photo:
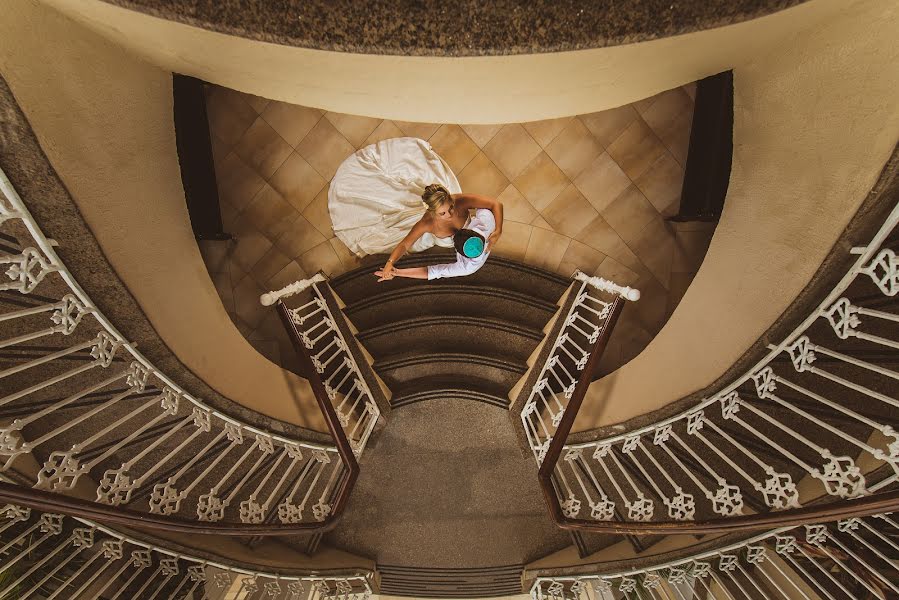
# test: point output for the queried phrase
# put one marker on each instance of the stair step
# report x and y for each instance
(450, 334)
(424, 582)
(427, 299)
(590, 543)
(400, 370)
(436, 388)
(360, 284)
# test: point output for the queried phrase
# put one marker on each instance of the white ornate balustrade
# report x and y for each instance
(821, 406)
(49, 556)
(566, 360)
(332, 359)
(81, 408)
(847, 560)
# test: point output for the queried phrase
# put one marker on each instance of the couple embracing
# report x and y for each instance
(447, 217)
(399, 196)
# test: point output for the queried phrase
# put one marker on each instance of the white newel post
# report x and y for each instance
(628, 293)
(296, 287)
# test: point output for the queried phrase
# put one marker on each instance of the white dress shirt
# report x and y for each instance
(482, 222)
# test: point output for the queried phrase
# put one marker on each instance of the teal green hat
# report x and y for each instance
(473, 247)
(468, 243)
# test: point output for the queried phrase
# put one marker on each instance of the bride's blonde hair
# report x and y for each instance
(435, 195)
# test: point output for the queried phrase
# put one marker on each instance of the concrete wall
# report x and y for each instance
(816, 118)
(104, 118)
(504, 89)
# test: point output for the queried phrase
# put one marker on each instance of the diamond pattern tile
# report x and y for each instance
(482, 175)
(512, 149)
(238, 182)
(354, 128)
(636, 149)
(546, 131)
(574, 148)
(419, 130)
(385, 131)
(290, 121)
(570, 212)
(588, 192)
(602, 181)
(229, 114)
(481, 134)
(297, 181)
(541, 181)
(262, 148)
(325, 148)
(514, 241)
(454, 146)
(607, 125)
(270, 213)
(515, 206)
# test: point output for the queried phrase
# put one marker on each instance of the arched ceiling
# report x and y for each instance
(456, 27)
(447, 89)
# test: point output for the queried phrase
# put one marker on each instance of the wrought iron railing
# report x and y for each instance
(852, 559)
(820, 406)
(318, 338)
(49, 556)
(589, 318)
(815, 419)
(564, 369)
(82, 410)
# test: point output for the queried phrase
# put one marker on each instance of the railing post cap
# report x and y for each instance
(267, 299)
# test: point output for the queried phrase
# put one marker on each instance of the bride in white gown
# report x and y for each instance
(388, 193)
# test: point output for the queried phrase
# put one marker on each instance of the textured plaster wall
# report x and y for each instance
(104, 118)
(816, 117)
(815, 120)
(503, 89)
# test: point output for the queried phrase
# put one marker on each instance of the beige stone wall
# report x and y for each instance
(104, 118)
(503, 89)
(816, 118)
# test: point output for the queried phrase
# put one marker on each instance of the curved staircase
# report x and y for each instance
(415, 330)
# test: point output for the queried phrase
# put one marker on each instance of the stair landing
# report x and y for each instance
(446, 495)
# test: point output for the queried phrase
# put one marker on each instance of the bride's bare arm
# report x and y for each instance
(416, 232)
(411, 272)
(466, 201)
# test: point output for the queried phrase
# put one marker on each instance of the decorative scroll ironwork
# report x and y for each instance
(52, 556)
(316, 327)
(851, 559)
(821, 406)
(80, 400)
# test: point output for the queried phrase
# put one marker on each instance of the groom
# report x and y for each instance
(471, 252)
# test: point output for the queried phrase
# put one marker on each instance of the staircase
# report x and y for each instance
(450, 340)
(468, 339)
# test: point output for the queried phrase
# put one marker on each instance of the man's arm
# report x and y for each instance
(466, 201)
(456, 269)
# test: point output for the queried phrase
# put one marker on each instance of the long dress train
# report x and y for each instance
(375, 195)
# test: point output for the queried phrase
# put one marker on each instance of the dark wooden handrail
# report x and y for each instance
(859, 507)
(548, 466)
(86, 509)
(822, 513)
(344, 449)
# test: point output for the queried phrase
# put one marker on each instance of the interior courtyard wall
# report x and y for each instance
(815, 120)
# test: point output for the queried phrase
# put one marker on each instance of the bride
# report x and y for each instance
(400, 195)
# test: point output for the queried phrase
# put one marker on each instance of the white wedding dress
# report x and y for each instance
(375, 196)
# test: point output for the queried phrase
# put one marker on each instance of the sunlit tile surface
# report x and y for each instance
(589, 192)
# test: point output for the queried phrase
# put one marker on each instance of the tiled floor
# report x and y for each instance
(587, 192)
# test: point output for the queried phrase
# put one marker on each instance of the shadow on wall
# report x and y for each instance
(599, 192)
